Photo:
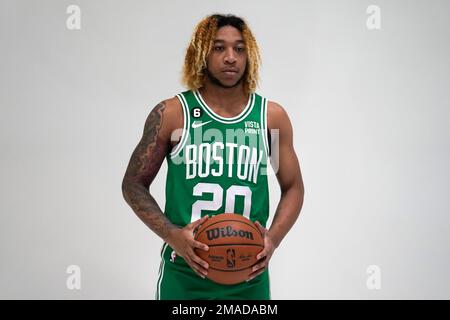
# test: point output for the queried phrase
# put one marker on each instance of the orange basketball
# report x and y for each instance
(234, 242)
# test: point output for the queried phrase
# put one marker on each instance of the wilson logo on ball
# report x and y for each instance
(227, 231)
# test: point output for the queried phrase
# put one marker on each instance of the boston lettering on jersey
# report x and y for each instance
(200, 158)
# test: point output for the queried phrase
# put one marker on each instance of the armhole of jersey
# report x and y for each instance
(186, 124)
(264, 125)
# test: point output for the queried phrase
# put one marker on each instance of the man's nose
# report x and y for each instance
(230, 56)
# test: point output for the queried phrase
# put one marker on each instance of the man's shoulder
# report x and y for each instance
(276, 115)
(173, 103)
(275, 107)
(173, 113)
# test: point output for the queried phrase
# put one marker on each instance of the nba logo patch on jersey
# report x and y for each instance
(173, 256)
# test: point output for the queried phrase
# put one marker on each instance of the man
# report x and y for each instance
(217, 139)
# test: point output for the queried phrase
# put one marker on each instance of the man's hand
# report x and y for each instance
(265, 255)
(183, 243)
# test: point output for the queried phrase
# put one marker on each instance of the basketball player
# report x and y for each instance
(217, 138)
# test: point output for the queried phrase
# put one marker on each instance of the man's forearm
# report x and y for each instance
(287, 212)
(146, 208)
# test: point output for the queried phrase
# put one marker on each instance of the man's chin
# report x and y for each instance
(229, 84)
(224, 84)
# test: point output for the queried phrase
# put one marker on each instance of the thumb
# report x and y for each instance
(198, 222)
(261, 228)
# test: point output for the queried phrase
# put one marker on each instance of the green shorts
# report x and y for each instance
(177, 281)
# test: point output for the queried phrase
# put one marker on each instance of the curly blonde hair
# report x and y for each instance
(201, 44)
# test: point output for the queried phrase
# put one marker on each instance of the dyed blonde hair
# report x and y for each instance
(201, 44)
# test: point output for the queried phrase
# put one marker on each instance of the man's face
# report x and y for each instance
(228, 58)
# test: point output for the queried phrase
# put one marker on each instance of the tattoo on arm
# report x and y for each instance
(142, 169)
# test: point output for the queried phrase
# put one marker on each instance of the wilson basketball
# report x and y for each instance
(234, 242)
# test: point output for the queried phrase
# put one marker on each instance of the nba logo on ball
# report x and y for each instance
(231, 262)
(234, 242)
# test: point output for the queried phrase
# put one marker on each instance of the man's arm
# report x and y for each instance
(144, 164)
(285, 163)
(288, 175)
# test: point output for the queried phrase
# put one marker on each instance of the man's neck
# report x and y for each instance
(229, 100)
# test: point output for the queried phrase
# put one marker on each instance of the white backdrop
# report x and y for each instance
(370, 110)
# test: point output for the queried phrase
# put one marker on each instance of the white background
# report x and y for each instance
(370, 110)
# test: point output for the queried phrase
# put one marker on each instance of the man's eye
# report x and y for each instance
(218, 48)
(240, 49)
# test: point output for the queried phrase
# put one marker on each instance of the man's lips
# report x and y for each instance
(230, 72)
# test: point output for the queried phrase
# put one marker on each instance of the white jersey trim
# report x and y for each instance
(264, 124)
(248, 108)
(186, 124)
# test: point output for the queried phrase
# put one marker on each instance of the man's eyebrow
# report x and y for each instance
(223, 41)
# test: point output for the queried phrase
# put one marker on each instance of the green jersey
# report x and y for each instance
(220, 164)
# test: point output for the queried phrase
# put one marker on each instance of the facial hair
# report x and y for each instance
(217, 82)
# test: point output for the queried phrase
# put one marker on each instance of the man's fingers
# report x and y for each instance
(198, 222)
(197, 269)
(200, 264)
(199, 261)
(259, 265)
(261, 255)
(258, 268)
(255, 274)
(202, 220)
(200, 245)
